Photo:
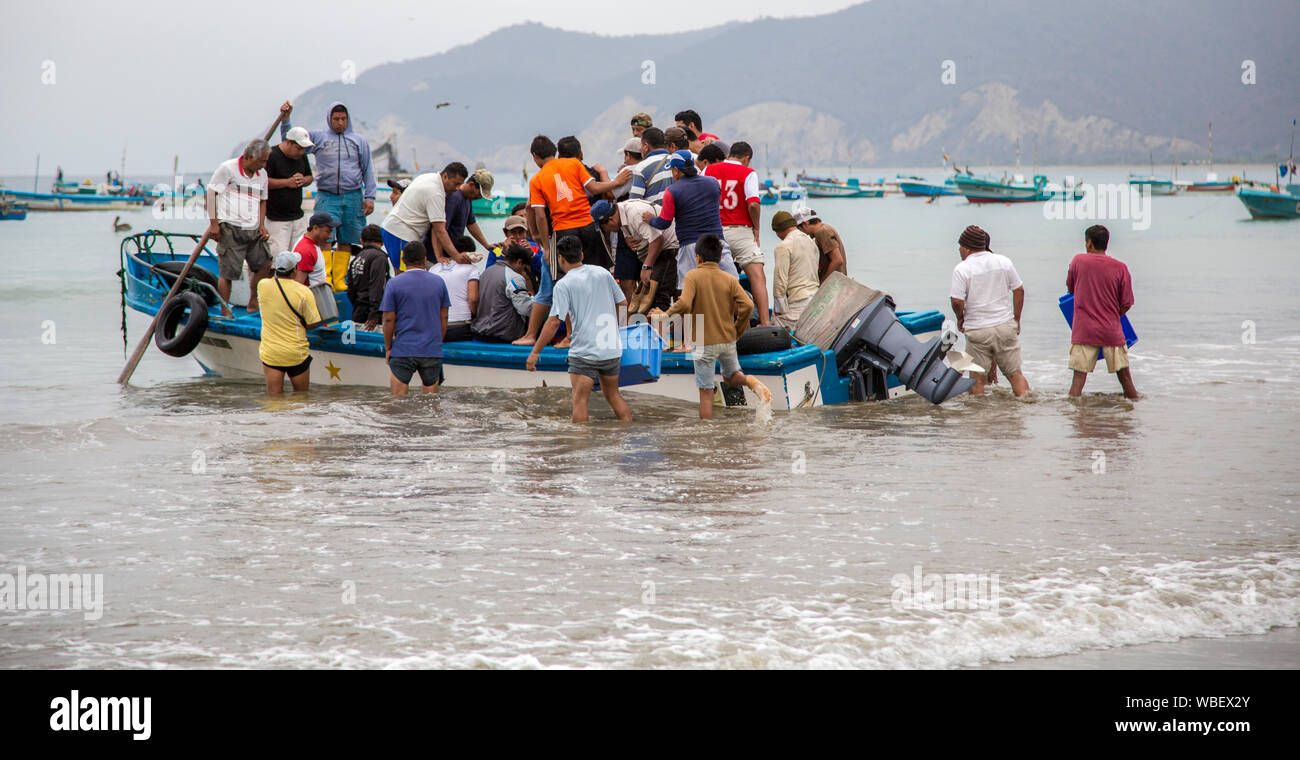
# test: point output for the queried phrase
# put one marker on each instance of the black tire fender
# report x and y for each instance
(174, 338)
(763, 339)
(168, 270)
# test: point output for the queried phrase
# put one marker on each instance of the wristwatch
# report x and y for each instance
(646, 266)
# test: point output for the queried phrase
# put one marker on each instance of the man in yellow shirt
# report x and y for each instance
(288, 308)
(794, 280)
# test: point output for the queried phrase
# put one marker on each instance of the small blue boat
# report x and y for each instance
(12, 211)
(75, 202)
(916, 187)
(871, 352)
(1273, 203)
(851, 188)
(1016, 189)
(1157, 185)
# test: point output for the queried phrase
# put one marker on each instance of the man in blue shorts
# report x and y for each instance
(588, 295)
(345, 177)
(415, 308)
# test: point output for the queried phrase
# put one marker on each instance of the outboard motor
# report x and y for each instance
(875, 344)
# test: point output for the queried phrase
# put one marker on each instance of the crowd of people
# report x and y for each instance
(667, 234)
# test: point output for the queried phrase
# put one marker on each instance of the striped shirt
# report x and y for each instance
(239, 196)
(651, 177)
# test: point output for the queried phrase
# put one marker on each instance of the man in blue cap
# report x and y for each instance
(626, 218)
(692, 202)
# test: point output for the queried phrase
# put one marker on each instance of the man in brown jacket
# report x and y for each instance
(724, 309)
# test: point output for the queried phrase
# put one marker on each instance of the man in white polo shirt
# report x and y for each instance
(987, 297)
(236, 201)
(422, 208)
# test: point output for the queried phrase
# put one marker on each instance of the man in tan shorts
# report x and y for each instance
(1103, 292)
(987, 297)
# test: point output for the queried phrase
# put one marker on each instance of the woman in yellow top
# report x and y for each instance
(288, 307)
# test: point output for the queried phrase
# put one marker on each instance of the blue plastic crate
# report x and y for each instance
(1067, 308)
(643, 354)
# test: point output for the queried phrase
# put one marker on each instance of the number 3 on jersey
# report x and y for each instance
(729, 198)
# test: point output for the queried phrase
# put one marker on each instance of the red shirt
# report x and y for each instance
(306, 248)
(1103, 289)
(739, 189)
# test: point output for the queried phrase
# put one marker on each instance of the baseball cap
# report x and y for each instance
(601, 210)
(642, 120)
(681, 160)
(782, 220)
(300, 136)
(399, 184)
(286, 260)
(483, 178)
(633, 145)
(321, 217)
(802, 215)
(514, 223)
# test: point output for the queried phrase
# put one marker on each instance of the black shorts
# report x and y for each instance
(626, 265)
(293, 371)
(457, 333)
(593, 246)
(405, 367)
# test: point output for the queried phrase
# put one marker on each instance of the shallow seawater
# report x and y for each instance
(481, 528)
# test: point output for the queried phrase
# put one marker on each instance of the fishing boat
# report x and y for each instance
(917, 187)
(850, 188)
(1015, 189)
(768, 195)
(859, 347)
(12, 211)
(87, 188)
(1272, 203)
(1155, 185)
(78, 202)
(1211, 184)
(791, 192)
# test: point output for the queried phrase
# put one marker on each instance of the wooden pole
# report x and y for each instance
(143, 345)
(271, 131)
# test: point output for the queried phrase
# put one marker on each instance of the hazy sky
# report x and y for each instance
(81, 80)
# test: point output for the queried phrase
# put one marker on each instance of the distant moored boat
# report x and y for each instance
(916, 187)
(1273, 203)
(1157, 185)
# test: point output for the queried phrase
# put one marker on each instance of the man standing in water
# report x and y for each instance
(590, 297)
(415, 308)
(1103, 292)
(987, 298)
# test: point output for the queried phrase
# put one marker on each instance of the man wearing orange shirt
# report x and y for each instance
(561, 187)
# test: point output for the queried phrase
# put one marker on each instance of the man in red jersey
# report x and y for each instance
(740, 211)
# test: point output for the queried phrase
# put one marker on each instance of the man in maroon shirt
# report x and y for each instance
(1103, 292)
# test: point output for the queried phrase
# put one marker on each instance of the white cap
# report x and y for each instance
(802, 215)
(286, 260)
(300, 136)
